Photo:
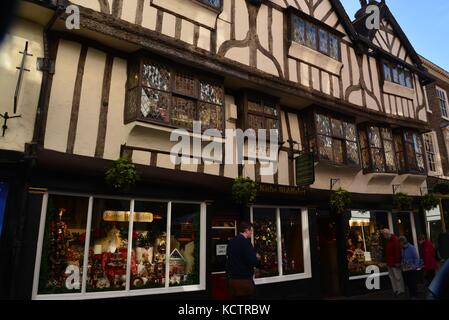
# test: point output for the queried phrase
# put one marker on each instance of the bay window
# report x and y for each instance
(165, 93)
(332, 138)
(281, 238)
(104, 247)
(377, 148)
(409, 151)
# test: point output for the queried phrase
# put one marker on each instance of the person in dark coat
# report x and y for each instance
(241, 259)
(428, 254)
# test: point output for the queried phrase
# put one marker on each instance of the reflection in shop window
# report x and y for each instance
(265, 241)
(365, 245)
(184, 244)
(292, 246)
(63, 248)
(149, 245)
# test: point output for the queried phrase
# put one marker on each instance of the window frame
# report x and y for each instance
(305, 242)
(249, 95)
(210, 6)
(364, 128)
(430, 140)
(400, 70)
(311, 133)
(442, 99)
(401, 132)
(139, 59)
(319, 26)
(128, 292)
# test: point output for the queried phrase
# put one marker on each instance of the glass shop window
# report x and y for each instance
(365, 245)
(292, 244)
(223, 230)
(62, 258)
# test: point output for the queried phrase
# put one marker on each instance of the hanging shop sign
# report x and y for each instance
(305, 169)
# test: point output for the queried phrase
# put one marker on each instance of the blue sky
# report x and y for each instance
(426, 24)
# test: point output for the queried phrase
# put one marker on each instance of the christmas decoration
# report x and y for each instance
(265, 242)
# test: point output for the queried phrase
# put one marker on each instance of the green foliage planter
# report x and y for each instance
(402, 201)
(441, 188)
(122, 175)
(429, 202)
(244, 191)
(340, 201)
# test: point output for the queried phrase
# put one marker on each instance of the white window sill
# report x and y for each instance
(445, 118)
(315, 58)
(396, 89)
(192, 10)
(290, 277)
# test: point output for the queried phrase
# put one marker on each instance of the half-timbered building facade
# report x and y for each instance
(136, 70)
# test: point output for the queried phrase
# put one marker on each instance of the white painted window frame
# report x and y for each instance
(127, 292)
(444, 92)
(436, 152)
(307, 274)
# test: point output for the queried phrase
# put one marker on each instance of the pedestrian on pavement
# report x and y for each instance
(428, 253)
(393, 259)
(410, 264)
(241, 259)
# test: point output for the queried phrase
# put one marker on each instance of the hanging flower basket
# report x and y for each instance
(340, 201)
(244, 191)
(429, 202)
(402, 201)
(122, 175)
(441, 188)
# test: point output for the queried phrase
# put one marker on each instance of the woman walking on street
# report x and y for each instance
(410, 264)
(428, 253)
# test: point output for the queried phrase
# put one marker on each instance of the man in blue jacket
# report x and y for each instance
(410, 264)
(241, 259)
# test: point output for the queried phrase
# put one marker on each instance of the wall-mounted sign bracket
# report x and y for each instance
(395, 188)
(6, 117)
(333, 182)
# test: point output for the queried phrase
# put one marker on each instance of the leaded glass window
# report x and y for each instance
(336, 140)
(442, 98)
(409, 151)
(173, 95)
(262, 114)
(311, 35)
(397, 74)
(216, 4)
(430, 152)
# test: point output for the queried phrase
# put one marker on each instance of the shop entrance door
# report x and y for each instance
(328, 257)
(223, 230)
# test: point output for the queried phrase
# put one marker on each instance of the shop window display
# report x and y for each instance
(108, 249)
(184, 244)
(63, 248)
(292, 246)
(365, 245)
(149, 244)
(265, 241)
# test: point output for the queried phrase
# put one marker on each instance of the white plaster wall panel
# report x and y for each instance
(20, 130)
(262, 26)
(163, 161)
(399, 106)
(371, 103)
(396, 47)
(284, 129)
(141, 157)
(231, 170)
(204, 39)
(405, 107)
(408, 60)
(387, 104)
(266, 178)
(342, 30)
(305, 77)
(422, 115)
(278, 36)
(418, 90)
(129, 10)
(322, 9)
(90, 103)
(60, 105)
(241, 19)
(191, 165)
(345, 71)
(332, 20)
(116, 132)
(411, 109)
(223, 32)
(91, 4)
(265, 64)
(366, 73)
(355, 67)
(315, 78)
(168, 24)
(294, 127)
(149, 16)
(336, 86)
(292, 3)
(239, 54)
(187, 30)
(375, 77)
(226, 13)
(283, 168)
(212, 169)
(402, 53)
(249, 170)
(303, 6)
(394, 109)
(325, 83)
(356, 98)
(293, 70)
(376, 42)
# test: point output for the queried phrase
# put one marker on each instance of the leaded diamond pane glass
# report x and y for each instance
(374, 137)
(271, 124)
(255, 122)
(298, 30)
(378, 160)
(386, 134)
(352, 153)
(213, 3)
(270, 110)
(211, 93)
(337, 146)
(211, 116)
(350, 132)
(337, 128)
(323, 124)
(156, 76)
(334, 46)
(185, 84)
(183, 112)
(324, 41)
(254, 106)
(325, 147)
(311, 36)
(155, 105)
(389, 156)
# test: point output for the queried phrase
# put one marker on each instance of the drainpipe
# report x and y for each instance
(47, 68)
